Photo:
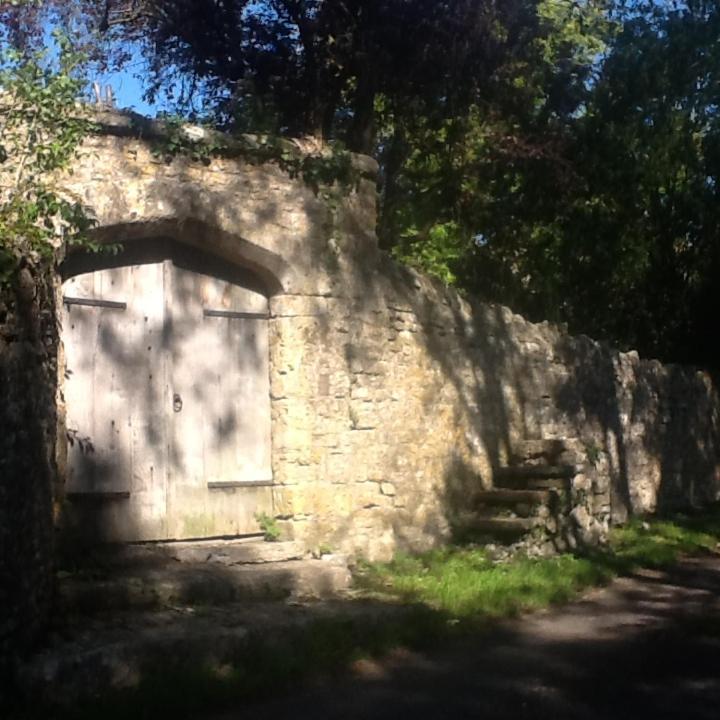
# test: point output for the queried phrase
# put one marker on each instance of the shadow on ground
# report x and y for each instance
(646, 647)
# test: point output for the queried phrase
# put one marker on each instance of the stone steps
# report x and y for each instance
(511, 497)
(126, 610)
(251, 550)
(191, 584)
(134, 577)
(236, 553)
(527, 493)
(501, 529)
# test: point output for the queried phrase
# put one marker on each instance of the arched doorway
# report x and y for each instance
(166, 394)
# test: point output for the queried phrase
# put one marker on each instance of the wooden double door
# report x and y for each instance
(167, 403)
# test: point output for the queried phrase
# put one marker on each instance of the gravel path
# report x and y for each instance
(648, 646)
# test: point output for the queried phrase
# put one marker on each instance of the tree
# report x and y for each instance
(559, 156)
(469, 186)
(41, 126)
(618, 234)
(314, 67)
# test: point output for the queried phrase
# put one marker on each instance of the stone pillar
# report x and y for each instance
(28, 345)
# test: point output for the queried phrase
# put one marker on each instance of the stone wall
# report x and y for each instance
(28, 344)
(392, 407)
(392, 397)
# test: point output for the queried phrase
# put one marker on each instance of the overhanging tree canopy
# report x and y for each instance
(559, 156)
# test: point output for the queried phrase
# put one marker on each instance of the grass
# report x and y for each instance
(660, 543)
(465, 585)
(442, 594)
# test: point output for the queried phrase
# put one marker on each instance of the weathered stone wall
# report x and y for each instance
(393, 398)
(28, 343)
(393, 406)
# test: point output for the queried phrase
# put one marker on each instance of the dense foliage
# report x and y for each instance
(41, 127)
(618, 233)
(559, 156)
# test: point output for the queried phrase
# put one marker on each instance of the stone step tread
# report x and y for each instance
(510, 496)
(249, 551)
(536, 471)
(553, 484)
(551, 449)
(235, 553)
(204, 583)
(503, 527)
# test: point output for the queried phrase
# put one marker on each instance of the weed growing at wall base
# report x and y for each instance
(268, 526)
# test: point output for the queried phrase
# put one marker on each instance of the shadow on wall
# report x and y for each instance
(688, 430)
(489, 372)
(514, 380)
(657, 424)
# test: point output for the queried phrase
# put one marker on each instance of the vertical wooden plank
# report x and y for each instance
(147, 409)
(114, 403)
(95, 390)
(80, 337)
(188, 356)
(222, 433)
(240, 441)
(113, 367)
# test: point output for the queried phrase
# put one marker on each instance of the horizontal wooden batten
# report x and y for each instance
(220, 485)
(90, 302)
(100, 495)
(234, 315)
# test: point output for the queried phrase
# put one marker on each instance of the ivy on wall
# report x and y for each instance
(175, 137)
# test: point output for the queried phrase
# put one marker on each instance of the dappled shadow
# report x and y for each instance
(638, 650)
(399, 361)
(167, 383)
(589, 396)
(646, 647)
(655, 428)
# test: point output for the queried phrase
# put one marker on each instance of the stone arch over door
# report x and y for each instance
(166, 387)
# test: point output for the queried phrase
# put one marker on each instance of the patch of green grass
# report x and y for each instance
(659, 543)
(464, 584)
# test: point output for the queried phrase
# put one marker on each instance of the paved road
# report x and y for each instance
(648, 646)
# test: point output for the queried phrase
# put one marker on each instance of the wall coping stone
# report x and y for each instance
(129, 124)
